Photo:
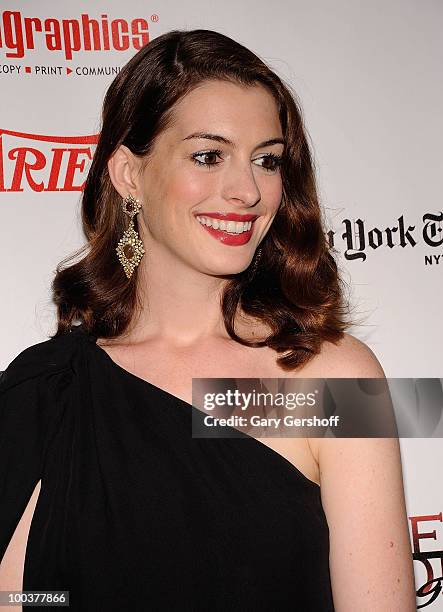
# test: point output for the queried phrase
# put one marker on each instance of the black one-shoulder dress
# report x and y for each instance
(136, 514)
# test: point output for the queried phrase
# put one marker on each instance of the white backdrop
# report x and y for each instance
(368, 76)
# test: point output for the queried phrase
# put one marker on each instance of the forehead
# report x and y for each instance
(228, 108)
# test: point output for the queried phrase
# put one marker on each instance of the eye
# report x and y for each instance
(215, 152)
(275, 159)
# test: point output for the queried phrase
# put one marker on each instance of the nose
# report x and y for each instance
(240, 186)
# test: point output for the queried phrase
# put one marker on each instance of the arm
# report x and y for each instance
(363, 498)
(12, 565)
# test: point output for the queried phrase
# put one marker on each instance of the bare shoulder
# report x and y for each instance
(348, 358)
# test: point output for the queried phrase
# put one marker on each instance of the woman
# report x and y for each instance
(202, 182)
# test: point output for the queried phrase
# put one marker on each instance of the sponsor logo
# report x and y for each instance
(360, 239)
(19, 34)
(431, 561)
(44, 163)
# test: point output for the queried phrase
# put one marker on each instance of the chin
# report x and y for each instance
(228, 270)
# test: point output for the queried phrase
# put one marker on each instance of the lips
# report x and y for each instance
(227, 216)
(231, 239)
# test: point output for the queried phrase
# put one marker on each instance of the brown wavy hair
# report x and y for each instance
(296, 289)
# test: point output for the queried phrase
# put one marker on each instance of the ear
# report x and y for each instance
(123, 168)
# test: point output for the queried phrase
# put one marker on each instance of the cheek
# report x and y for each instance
(272, 194)
(180, 193)
(189, 188)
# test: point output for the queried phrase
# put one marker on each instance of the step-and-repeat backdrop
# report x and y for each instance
(369, 79)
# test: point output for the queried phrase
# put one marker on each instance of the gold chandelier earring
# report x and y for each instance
(130, 248)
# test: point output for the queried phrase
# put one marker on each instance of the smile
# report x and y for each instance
(233, 227)
(228, 228)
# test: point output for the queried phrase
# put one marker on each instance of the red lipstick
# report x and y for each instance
(228, 238)
(227, 216)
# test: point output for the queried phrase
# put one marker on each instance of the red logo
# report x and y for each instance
(20, 33)
(44, 163)
(432, 560)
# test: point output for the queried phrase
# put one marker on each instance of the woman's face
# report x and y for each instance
(210, 199)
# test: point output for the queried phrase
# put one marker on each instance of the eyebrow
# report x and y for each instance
(219, 138)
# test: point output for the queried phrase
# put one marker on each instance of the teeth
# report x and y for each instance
(233, 227)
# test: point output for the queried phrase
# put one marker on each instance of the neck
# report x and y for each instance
(181, 305)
